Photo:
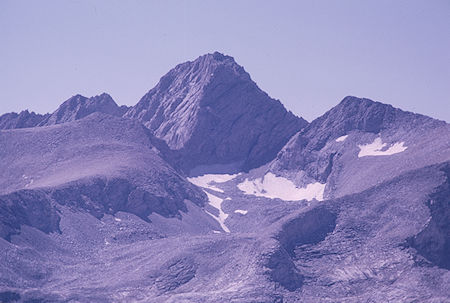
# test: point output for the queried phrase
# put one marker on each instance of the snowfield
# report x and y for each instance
(271, 186)
(206, 180)
(240, 211)
(376, 148)
(341, 138)
(217, 202)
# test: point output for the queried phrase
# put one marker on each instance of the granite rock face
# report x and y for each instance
(211, 112)
(23, 119)
(78, 107)
(433, 242)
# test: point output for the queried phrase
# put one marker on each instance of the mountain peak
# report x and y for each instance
(24, 119)
(354, 113)
(78, 107)
(211, 110)
(203, 70)
(219, 57)
(351, 114)
(352, 103)
(216, 60)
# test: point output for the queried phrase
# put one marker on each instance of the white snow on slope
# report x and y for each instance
(271, 186)
(217, 202)
(206, 180)
(240, 211)
(376, 148)
(341, 138)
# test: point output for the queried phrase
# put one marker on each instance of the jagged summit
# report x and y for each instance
(186, 82)
(212, 61)
(78, 107)
(212, 112)
(23, 119)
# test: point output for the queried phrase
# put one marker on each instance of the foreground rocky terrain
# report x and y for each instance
(208, 190)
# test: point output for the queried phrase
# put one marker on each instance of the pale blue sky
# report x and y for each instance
(308, 54)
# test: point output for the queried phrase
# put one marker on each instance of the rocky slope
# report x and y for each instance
(211, 112)
(100, 164)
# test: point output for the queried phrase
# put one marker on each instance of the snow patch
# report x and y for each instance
(376, 148)
(341, 138)
(271, 186)
(206, 180)
(217, 203)
(117, 219)
(240, 211)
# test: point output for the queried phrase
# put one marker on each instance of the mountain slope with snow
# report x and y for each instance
(360, 143)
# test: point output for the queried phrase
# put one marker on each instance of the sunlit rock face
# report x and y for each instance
(211, 112)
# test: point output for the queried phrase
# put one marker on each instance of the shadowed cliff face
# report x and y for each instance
(211, 112)
(27, 207)
(308, 228)
(434, 241)
(98, 196)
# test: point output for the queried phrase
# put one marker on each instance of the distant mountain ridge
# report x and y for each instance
(74, 108)
(23, 119)
(78, 107)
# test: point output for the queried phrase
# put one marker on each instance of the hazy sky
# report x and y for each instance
(308, 54)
